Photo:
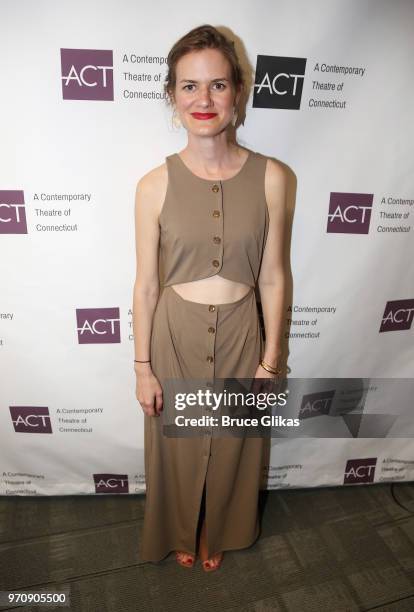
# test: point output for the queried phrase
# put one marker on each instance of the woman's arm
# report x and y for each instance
(272, 281)
(149, 194)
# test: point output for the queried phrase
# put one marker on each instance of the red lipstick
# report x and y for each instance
(203, 116)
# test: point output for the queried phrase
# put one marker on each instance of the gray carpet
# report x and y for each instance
(334, 549)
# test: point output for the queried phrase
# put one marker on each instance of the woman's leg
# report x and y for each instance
(209, 563)
(186, 558)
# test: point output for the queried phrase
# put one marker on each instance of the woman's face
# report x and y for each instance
(204, 94)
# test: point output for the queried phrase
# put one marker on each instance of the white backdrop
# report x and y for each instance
(83, 118)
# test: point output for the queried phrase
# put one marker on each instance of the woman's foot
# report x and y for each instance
(185, 559)
(213, 563)
(210, 564)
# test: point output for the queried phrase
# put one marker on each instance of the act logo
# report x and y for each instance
(360, 470)
(398, 314)
(278, 82)
(87, 74)
(111, 483)
(12, 212)
(316, 404)
(349, 213)
(98, 325)
(31, 419)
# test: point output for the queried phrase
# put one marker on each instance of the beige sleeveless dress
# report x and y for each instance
(206, 227)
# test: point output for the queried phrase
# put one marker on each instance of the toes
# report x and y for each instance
(185, 558)
(212, 563)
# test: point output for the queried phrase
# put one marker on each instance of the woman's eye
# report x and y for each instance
(220, 86)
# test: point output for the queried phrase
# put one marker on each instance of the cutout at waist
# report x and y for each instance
(204, 304)
(211, 298)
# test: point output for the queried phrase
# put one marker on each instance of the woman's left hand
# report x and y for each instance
(263, 380)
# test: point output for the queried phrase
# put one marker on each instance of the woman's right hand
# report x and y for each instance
(149, 392)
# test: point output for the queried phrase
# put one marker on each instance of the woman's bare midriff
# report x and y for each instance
(212, 290)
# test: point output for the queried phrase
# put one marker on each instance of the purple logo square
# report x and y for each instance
(87, 74)
(398, 314)
(12, 212)
(111, 483)
(360, 470)
(316, 404)
(31, 419)
(98, 325)
(349, 213)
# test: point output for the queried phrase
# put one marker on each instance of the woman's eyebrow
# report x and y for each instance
(193, 81)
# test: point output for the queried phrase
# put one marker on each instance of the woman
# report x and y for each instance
(209, 225)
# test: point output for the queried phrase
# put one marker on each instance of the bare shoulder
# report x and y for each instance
(275, 183)
(275, 172)
(151, 189)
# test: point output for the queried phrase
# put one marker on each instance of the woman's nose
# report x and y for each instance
(204, 96)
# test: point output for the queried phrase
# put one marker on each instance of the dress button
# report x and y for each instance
(210, 359)
(212, 308)
(211, 330)
(217, 239)
(216, 213)
(215, 188)
(215, 263)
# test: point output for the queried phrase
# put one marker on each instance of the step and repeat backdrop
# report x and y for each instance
(83, 118)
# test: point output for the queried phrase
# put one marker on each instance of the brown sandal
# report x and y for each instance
(185, 559)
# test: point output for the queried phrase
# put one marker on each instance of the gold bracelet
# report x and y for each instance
(270, 369)
(269, 366)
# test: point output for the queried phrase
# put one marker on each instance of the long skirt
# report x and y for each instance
(191, 340)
